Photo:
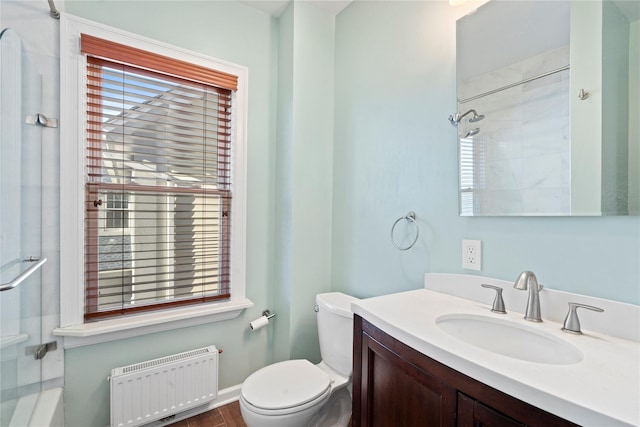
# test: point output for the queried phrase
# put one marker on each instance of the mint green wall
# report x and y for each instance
(395, 152)
(304, 169)
(236, 33)
(86, 389)
(312, 168)
(284, 166)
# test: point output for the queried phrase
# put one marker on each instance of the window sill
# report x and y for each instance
(131, 326)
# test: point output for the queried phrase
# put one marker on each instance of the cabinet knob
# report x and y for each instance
(571, 322)
(498, 302)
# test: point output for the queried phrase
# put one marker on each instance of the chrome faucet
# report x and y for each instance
(527, 280)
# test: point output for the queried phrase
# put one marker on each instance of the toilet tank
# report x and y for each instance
(335, 330)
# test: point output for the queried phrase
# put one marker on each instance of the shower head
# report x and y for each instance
(456, 118)
(472, 132)
(476, 117)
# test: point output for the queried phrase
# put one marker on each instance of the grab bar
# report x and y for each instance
(22, 276)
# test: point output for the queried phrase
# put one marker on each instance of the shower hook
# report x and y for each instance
(41, 120)
(583, 94)
(410, 217)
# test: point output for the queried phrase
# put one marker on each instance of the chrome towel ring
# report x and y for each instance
(410, 217)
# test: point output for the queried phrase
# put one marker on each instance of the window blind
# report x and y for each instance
(158, 190)
(471, 164)
(100, 48)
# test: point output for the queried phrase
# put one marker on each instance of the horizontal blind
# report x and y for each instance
(157, 221)
(100, 48)
(471, 158)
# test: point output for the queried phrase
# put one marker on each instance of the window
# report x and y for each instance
(116, 210)
(158, 156)
(159, 191)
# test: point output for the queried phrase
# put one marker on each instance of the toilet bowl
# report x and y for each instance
(297, 393)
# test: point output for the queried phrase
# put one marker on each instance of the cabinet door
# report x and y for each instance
(472, 413)
(394, 392)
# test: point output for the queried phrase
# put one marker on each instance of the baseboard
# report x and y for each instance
(225, 396)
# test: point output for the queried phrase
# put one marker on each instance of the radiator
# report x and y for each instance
(159, 388)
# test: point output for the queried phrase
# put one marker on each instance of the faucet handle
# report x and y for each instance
(571, 322)
(498, 302)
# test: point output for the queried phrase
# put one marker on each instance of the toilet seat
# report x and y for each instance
(286, 387)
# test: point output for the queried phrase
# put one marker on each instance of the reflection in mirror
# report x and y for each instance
(528, 144)
(620, 113)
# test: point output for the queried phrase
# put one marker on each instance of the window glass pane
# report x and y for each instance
(169, 251)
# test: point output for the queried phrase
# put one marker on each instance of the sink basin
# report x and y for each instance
(509, 339)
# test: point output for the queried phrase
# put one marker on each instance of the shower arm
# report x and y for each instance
(456, 118)
(53, 12)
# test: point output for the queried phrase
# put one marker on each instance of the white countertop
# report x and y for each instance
(601, 390)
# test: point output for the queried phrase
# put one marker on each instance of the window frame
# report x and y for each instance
(72, 188)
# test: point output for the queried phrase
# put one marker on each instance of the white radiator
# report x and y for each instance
(159, 388)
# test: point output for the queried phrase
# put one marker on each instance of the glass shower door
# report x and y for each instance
(20, 228)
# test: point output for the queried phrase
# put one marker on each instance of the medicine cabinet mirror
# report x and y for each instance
(548, 108)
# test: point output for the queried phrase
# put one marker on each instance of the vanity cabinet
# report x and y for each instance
(472, 412)
(395, 385)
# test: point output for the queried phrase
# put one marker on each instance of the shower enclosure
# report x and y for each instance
(21, 124)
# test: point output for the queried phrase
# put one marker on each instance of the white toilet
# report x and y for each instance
(297, 393)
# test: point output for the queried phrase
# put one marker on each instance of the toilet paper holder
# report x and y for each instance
(268, 314)
(261, 321)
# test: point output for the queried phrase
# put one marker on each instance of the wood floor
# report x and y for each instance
(224, 416)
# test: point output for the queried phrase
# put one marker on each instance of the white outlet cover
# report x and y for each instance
(472, 254)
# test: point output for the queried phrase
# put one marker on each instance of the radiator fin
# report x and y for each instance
(148, 391)
(161, 361)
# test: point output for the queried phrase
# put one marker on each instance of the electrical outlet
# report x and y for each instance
(472, 254)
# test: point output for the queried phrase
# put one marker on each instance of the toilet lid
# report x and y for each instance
(285, 385)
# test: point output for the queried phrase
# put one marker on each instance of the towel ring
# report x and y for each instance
(410, 217)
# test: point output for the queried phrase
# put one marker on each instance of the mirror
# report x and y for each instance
(548, 111)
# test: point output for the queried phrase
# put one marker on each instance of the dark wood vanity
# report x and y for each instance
(397, 386)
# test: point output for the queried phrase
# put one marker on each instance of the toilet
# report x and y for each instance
(297, 393)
